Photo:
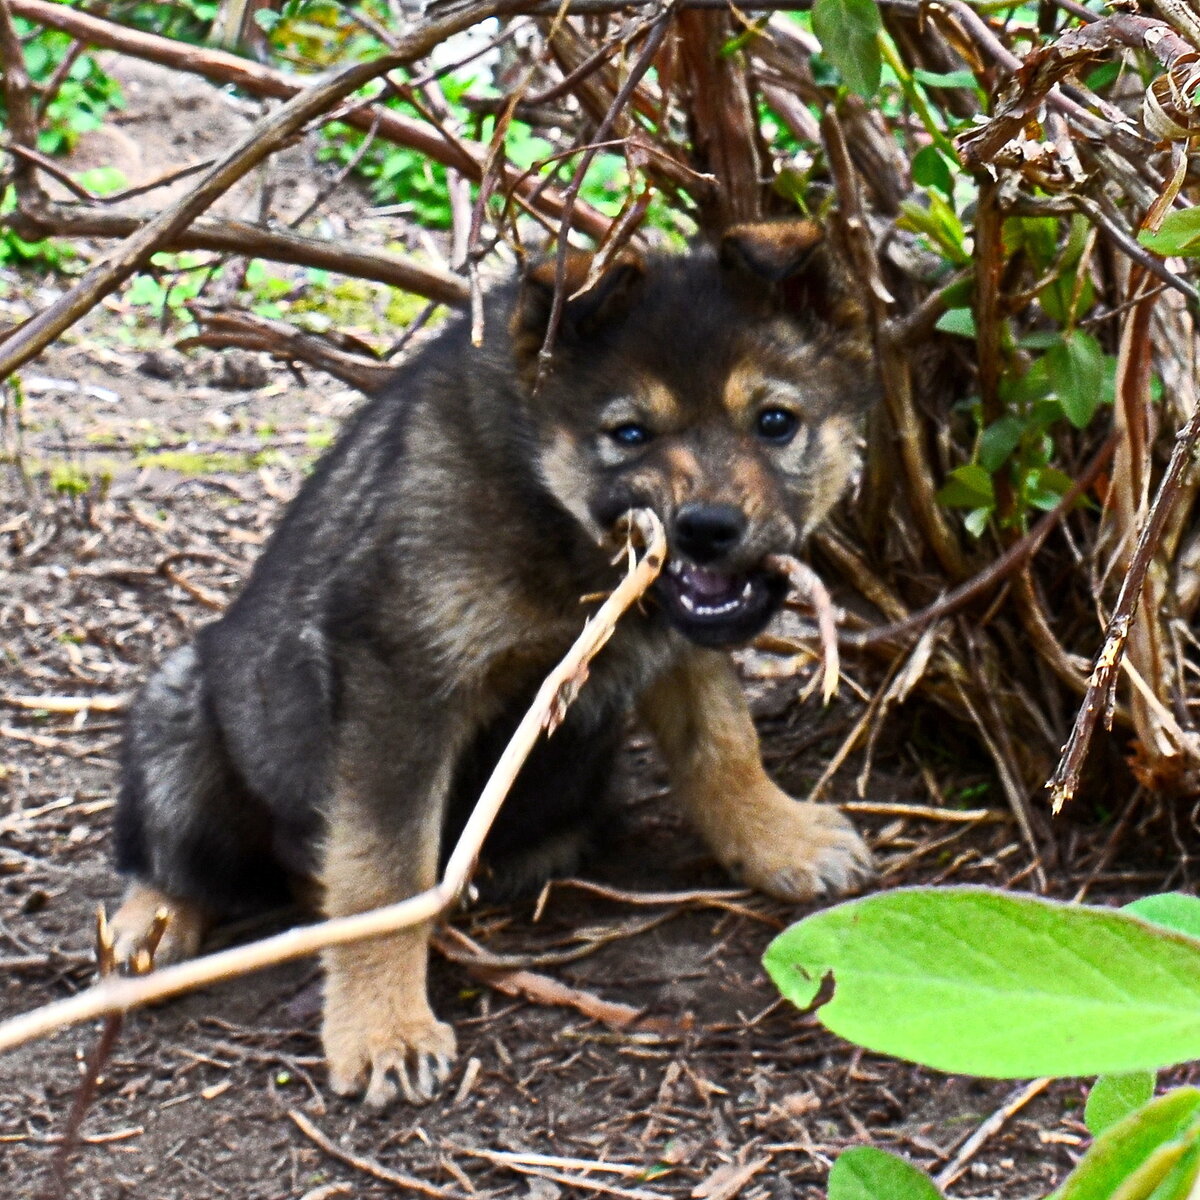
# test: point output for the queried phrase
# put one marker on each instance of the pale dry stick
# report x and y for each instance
(115, 995)
(520, 1164)
(955, 1167)
(806, 581)
(68, 705)
(927, 812)
(508, 1157)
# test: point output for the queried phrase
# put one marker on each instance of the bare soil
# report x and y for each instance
(112, 551)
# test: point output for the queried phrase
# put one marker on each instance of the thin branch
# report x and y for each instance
(228, 235)
(1065, 780)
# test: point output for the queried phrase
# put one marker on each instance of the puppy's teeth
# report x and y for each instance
(747, 589)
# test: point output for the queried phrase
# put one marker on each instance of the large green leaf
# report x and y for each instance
(866, 1173)
(989, 983)
(848, 32)
(1135, 1156)
(1172, 910)
(1114, 1097)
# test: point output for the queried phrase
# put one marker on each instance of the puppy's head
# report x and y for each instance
(722, 390)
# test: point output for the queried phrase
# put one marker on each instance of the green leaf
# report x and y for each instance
(945, 79)
(1043, 487)
(987, 983)
(960, 321)
(1180, 1181)
(1178, 234)
(1171, 910)
(847, 31)
(930, 169)
(1131, 1158)
(968, 486)
(866, 1173)
(1114, 1097)
(998, 441)
(103, 181)
(1076, 372)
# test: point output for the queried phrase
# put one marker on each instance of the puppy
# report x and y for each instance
(335, 725)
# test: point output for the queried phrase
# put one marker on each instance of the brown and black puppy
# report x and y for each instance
(341, 716)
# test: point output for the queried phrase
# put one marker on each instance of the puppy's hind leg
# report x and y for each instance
(152, 928)
(190, 840)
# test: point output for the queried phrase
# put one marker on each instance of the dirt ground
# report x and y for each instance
(144, 485)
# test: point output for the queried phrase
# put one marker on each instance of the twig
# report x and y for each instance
(1100, 693)
(229, 235)
(368, 1166)
(528, 1164)
(894, 366)
(926, 812)
(283, 341)
(117, 995)
(68, 704)
(806, 581)
(953, 1169)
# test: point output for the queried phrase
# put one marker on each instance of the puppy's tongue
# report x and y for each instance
(705, 583)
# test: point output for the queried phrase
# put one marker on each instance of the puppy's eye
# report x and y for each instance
(630, 434)
(777, 425)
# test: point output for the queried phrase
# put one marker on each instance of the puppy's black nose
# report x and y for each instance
(703, 532)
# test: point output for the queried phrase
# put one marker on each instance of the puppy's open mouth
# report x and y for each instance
(715, 608)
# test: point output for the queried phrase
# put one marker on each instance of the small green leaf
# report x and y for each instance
(1131, 1158)
(1114, 1097)
(960, 321)
(945, 79)
(1178, 234)
(989, 983)
(998, 441)
(968, 486)
(1043, 487)
(1171, 910)
(1076, 372)
(866, 1173)
(930, 169)
(848, 32)
(103, 181)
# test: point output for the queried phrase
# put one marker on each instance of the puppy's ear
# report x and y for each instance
(791, 261)
(772, 250)
(606, 301)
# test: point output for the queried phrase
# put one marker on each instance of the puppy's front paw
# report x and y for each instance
(381, 1038)
(792, 849)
